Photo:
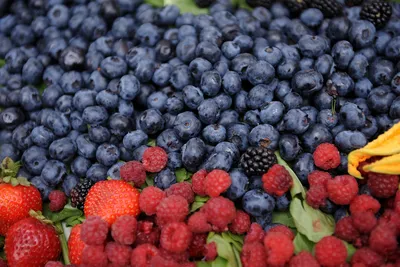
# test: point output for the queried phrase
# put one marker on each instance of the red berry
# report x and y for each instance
(58, 199)
(220, 211)
(326, 156)
(362, 203)
(316, 196)
(133, 171)
(397, 202)
(175, 237)
(147, 232)
(183, 189)
(210, 251)
(197, 223)
(118, 254)
(279, 248)
(253, 255)
(241, 224)
(383, 239)
(383, 185)
(342, 189)
(48, 264)
(124, 229)
(172, 209)
(177, 257)
(149, 199)
(368, 257)
(160, 261)
(94, 231)
(330, 251)
(4, 263)
(154, 159)
(345, 230)
(364, 222)
(277, 181)
(391, 217)
(141, 255)
(319, 178)
(255, 234)
(303, 259)
(217, 182)
(282, 229)
(197, 246)
(94, 256)
(198, 182)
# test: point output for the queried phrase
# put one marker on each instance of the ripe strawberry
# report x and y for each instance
(110, 199)
(31, 243)
(75, 245)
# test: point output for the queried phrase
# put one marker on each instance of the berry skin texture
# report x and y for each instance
(94, 231)
(326, 156)
(124, 230)
(253, 255)
(383, 239)
(58, 199)
(220, 211)
(362, 203)
(210, 251)
(158, 260)
(377, 12)
(183, 189)
(368, 257)
(279, 248)
(142, 255)
(330, 251)
(147, 232)
(94, 256)
(198, 182)
(175, 237)
(383, 185)
(303, 259)
(255, 234)
(197, 223)
(282, 229)
(319, 178)
(316, 196)
(133, 171)
(172, 209)
(149, 199)
(197, 246)
(76, 245)
(217, 182)
(177, 257)
(48, 264)
(342, 189)
(277, 181)
(345, 230)
(154, 159)
(118, 254)
(397, 202)
(241, 224)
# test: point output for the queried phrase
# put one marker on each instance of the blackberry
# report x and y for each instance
(353, 2)
(377, 12)
(256, 3)
(296, 6)
(330, 8)
(79, 192)
(204, 3)
(257, 160)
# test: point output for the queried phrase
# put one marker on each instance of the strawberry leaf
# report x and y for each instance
(62, 215)
(301, 243)
(151, 142)
(283, 217)
(182, 175)
(198, 198)
(195, 206)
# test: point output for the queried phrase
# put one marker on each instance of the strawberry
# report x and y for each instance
(110, 199)
(75, 245)
(31, 243)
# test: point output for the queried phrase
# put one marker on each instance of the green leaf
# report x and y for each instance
(151, 142)
(350, 250)
(301, 243)
(220, 262)
(227, 237)
(63, 215)
(198, 198)
(297, 187)
(196, 205)
(2, 238)
(2, 62)
(156, 3)
(203, 264)
(74, 220)
(237, 256)
(187, 6)
(150, 179)
(41, 88)
(283, 217)
(182, 175)
(312, 223)
(224, 249)
(237, 238)
(243, 4)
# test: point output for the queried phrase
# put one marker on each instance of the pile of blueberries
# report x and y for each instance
(87, 85)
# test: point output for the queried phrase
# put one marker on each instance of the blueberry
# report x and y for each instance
(192, 97)
(162, 74)
(252, 118)
(270, 54)
(185, 19)
(292, 100)
(180, 77)
(70, 181)
(304, 165)
(347, 141)
(53, 173)
(218, 160)
(380, 99)
(72, 58)
(352, 116)
(327, 118)
(64, 104)
(260, 72)
(5, 136)
(272, 112)
(338, 29)
(174, 160)
(358, 67)
(33, 159)
(30, 98)
(135, 139)
(22, 35)
(395, 84)
(58, 123)
(95, 115)
(258, 203)
(381, 71)
(363, 87)
(369, 53)
(113, 171)
(340, 213)
(307, 82)
(209, 111)
(151, 121)
(148, 34)
(296, 121)
(84, 99)
(312, 17)
(231, 82)
(230, 148)
(314, 136)
(342, 53)
(343, 164)
(239, 184)
(329, 207)
(214, 133)
(113, 67)
(32, 71)
(324, 65)
(8, 150)
(80, 165)
(241, 62)
(186, 49)
(138, 153)
(394, 111)
(263, 132)
(97, 172)
(384, 122)
(362, 33)
(42, 136)
(289, 147)
(43, 188)
(63, 149)
(187, 126)
(343, 83)
(392, 48)
(237, 134)
(21, 138)
(50, 95)
(157, 100)
(85, 147)
(296, 29)
(164, 179)
(52, 74)
(119, 125)
(230, 49)
(370, 128)
(193, 153)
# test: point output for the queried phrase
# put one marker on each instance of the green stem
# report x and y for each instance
(64, 245)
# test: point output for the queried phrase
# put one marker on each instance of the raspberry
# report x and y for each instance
(177, 257)
(149, 199)
(210, 251)
(255, 234)
(383, 239)
(94, 231)
(342, 189)
(397, 202)
(368, 257)
(198, 182)
(383, 185)
(316, 196)
(147, 232)
(159, 261)
(124, 230)
(154, 159)
(197, 223)
(303, 259)
(133, 171)
(49, 264)
(241, 223)
(281, 229)
(217, 182)
(183, 189)
(94, 256)
(363, 203)
(345, 229)
(253, 255)
(220, 211)
(326, 156)
(188, 264)
(142, 255)
(58, 199)
(279, 248)
(175, 237)
(330, 251)
(391, 217)
(3, 263)
(172, 209)
(118, 254)
(319, 178)
(277, 181)
(364, 221)
(197, 246)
